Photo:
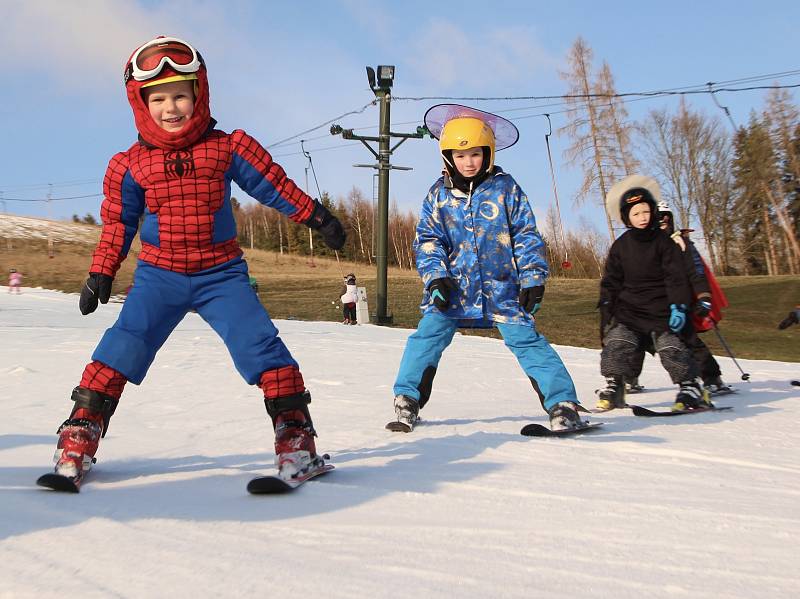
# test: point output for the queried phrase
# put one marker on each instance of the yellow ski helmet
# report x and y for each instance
(461, 127)
(468, 132)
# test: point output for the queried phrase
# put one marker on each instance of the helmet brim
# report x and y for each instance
(505, 132)
(619, 188)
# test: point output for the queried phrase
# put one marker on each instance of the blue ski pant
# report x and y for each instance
(538, 359)
(222, 296)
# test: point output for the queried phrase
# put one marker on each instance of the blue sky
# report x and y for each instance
(279, 68)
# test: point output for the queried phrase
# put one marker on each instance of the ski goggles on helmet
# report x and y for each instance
(149, 60)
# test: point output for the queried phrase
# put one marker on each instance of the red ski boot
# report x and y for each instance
(80, 434)
(295, 451)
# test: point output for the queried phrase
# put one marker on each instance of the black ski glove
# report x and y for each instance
(97, 287)
(702, 307)
(606, 318)
(440, 290)
(790, 320)
(530, 298)
(328, 225)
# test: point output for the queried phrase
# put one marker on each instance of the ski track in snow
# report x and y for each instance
(696, 506)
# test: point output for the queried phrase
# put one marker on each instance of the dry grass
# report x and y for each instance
(290, 287)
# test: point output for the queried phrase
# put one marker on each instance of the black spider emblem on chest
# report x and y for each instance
(178, 163)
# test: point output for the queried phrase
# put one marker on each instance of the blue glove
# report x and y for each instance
(677, 317)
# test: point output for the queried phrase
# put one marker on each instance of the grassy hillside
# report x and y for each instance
(290, 287)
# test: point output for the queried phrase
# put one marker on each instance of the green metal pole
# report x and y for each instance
(384, 153)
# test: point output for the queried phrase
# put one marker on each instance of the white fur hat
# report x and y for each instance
(619, 188)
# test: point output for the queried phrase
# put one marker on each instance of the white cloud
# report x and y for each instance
(449, 56)
(368, 14)
(84, 44)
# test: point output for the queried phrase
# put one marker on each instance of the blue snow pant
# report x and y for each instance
(222, 296)
(538, 359)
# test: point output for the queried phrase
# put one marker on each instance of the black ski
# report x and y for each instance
(646, 413)
(723, 391)
(539, 430)
(59, 482)
(399, 427)
(600, 411)
(272, 485)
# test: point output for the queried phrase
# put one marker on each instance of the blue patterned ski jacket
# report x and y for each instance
(487, 243)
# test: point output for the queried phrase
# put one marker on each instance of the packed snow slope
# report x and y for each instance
(695, 506)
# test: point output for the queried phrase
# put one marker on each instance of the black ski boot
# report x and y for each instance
(691, 396)
(407, 411)
(564, 415)
(632, 385)
(613, 395)
(717, 386)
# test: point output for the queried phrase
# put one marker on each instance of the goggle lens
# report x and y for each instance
(149, 58)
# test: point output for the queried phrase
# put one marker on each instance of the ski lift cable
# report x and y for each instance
(657, 93)
(307, 154)
(328, 122)
(30, 186)
(566, 264)
(570, 100)
(92, 195)
(720, 106)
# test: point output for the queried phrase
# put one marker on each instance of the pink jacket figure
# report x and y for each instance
(14, 280)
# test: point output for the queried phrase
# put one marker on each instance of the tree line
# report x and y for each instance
(740, 190)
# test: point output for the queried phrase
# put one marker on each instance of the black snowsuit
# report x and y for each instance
(644, 274)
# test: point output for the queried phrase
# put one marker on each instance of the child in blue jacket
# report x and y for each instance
(481, 259)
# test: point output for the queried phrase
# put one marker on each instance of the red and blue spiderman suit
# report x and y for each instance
(183, 199)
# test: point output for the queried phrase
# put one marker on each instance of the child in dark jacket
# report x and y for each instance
(644, 296)
(695, 268)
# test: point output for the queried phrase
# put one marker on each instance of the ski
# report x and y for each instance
(274, 484)
(601, 410)
(399, 427)
(59, 482)
(539, 430)
(722, 391)
(646, 413)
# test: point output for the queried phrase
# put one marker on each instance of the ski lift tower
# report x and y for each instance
(381, 86)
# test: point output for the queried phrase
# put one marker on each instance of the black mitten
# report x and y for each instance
(328, 225)
(97, 288)
(440, 290)
(530, 298)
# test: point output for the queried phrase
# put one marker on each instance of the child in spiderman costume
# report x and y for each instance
(176, 181)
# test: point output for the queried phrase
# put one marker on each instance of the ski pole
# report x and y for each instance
(745, 376)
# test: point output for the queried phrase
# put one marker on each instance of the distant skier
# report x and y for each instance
(644, 298)
(482, 261)
(177, 178)
(14, 281)
(792, 318)
(349, 299)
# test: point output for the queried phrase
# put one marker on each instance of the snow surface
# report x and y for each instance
(17, 227)
(696, 506)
